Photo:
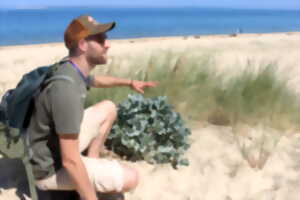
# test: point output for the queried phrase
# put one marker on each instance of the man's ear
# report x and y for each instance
(82, 45)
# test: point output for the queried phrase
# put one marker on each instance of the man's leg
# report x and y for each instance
(130, 177)
(96, 125)
(107, 176)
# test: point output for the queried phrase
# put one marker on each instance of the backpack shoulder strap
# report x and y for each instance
(47, 82)
(59, 77)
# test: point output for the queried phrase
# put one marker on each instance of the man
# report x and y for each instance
(60, 129)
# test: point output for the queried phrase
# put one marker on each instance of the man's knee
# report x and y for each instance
(131, 178)
(107, 107)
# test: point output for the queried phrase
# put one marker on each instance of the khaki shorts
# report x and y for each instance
(106, 175)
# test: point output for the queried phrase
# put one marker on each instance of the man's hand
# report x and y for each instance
(139, 86)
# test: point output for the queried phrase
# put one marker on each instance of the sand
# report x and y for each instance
(259, 164)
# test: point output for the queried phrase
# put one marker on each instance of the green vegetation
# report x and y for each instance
(148, 129)
(200, 92)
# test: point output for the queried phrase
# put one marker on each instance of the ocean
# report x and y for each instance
(33, 26)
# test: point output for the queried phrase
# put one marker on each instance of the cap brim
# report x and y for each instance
(103, 28)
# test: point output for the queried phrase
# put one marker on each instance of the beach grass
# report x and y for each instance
(200, 92)
(259, 98)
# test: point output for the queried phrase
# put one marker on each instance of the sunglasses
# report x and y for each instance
(99, 38)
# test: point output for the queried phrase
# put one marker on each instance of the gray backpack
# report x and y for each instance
(16, 108)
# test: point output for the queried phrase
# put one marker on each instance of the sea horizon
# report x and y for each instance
(46, 25)
(24, 7)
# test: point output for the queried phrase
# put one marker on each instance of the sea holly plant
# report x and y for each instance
(148, 129)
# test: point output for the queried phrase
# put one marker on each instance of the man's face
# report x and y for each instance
(98, 46)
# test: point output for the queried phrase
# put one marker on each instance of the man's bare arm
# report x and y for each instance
(73, 164)
(109, 81)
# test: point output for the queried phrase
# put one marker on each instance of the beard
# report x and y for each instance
(97, 59)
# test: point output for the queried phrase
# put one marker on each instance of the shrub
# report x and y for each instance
(148, 129)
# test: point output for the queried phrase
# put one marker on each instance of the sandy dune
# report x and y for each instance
(241, 163)
(217, 171)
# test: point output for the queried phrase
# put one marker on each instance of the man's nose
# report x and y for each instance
(106, 44)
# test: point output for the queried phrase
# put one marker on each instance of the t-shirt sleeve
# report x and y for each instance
(66, 107)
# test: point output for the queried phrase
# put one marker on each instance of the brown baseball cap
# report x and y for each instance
(84, 26)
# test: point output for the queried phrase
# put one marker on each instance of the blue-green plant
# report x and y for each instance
(149, 129)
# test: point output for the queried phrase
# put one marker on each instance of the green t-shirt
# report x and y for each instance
(58, 109)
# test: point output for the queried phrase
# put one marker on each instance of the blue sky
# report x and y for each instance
(263, 4)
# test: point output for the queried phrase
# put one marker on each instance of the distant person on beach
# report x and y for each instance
(60, 129)
(239, 31)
